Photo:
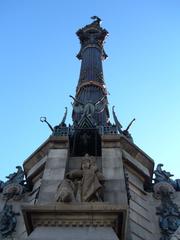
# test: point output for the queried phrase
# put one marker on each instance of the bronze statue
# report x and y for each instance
(97, 20)
(88, 108)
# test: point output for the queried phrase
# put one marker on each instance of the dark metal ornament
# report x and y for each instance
(8, 221)
(164, 176)
(169, 219)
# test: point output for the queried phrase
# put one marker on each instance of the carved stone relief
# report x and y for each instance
(83, 185)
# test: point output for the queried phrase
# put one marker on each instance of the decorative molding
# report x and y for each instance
(168, 211)
(164, 176)
(8, 221)
(15, 186)
(85, 214)
(14, 191)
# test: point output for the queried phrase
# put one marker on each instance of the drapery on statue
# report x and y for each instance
(85, 184)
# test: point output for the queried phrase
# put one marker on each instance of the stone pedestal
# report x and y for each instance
(64, 233)
(85, 220)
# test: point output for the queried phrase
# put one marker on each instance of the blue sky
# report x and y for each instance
(38, 71)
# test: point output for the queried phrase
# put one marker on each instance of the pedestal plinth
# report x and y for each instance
(65, 219)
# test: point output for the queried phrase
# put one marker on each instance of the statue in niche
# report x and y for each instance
(84, 185)
(85, 141)
(8, 220)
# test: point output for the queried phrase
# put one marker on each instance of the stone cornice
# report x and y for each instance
(85, 214)
(41, 151)
(120, 141)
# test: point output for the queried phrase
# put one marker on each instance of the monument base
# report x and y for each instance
(69, 233)
(82, 219)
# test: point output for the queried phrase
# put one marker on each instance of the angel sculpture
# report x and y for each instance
(89, 108)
